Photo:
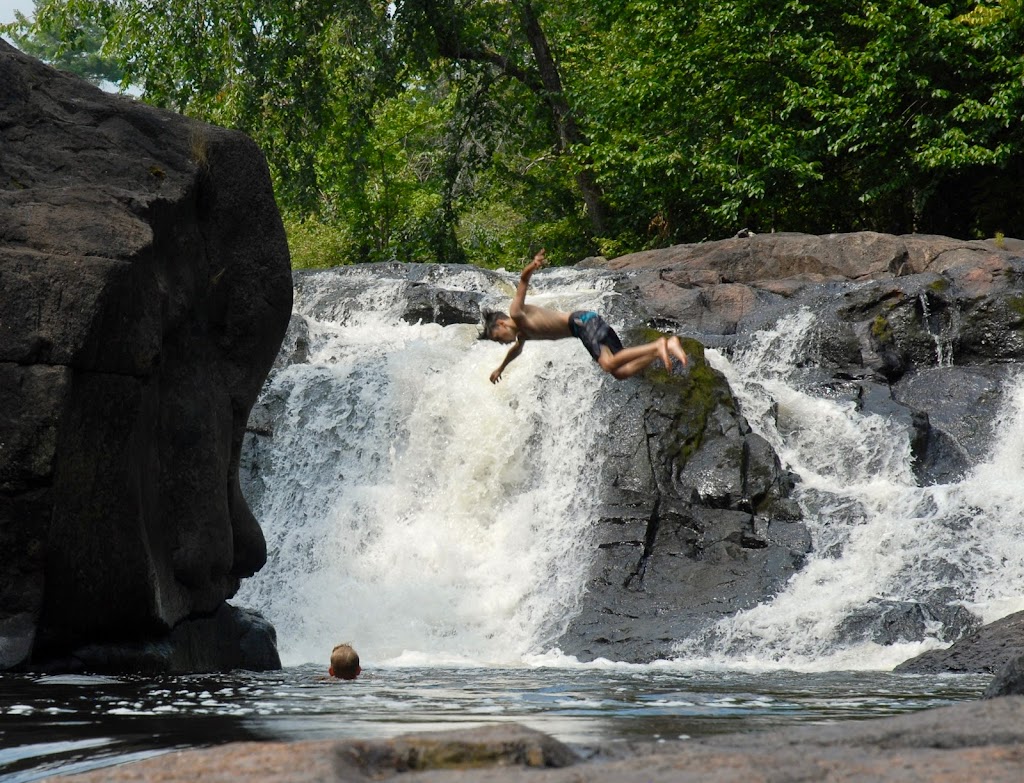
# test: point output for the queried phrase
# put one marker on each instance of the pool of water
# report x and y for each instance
(69, 723)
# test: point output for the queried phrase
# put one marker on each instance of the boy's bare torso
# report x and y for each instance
(541, 323)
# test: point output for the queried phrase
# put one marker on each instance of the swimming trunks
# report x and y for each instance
(593, 332)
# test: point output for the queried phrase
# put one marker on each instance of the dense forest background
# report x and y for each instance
(478, 130)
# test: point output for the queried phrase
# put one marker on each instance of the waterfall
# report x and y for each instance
(409, 506)
(877, 535)
(414, 509)
(943, 334)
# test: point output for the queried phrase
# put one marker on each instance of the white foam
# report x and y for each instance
(415, 509)
(877, 536)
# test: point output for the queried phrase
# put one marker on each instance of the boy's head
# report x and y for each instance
(344, 662)
(498, 327)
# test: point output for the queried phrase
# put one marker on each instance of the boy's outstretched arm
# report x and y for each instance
(513, 352)
(524, 283)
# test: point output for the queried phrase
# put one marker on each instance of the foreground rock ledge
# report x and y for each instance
(966, 742)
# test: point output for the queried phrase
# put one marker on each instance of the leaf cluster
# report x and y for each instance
(475, 130)
(66, 36)
(892, 115)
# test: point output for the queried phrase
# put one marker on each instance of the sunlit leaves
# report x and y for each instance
(801, 116)
(420, 129)
(70, 39)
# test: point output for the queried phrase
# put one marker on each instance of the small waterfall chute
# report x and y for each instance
(881, 543)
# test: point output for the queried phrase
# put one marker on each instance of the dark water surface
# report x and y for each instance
(71, 723)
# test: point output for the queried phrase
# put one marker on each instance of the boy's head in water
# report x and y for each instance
(344, 662)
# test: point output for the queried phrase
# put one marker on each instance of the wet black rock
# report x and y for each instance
(891, 622)
(428, 304)
(697, 520)
(989, 649)
(443, 294)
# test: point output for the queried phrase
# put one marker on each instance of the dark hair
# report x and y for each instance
(491, 318)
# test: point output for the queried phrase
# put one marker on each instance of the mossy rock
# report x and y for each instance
(1016, 304)
(698, 390)
(881, 330)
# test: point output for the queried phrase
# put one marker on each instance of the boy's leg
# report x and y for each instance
(630, 361)
(676, 349)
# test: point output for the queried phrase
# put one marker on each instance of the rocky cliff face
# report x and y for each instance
(917, 328)
(696, 522)
(144, 291)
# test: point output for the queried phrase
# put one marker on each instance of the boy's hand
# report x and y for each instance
(537, 263)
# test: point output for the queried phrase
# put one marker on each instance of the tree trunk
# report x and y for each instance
(548, 86)
(569, 133)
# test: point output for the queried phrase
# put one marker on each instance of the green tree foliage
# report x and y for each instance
(897, 115)
(477, 130)
(67, 40)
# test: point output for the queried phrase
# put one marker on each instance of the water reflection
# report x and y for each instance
(66, 724)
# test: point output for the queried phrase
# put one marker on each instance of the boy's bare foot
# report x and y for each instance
(676, 349)
(663, 353)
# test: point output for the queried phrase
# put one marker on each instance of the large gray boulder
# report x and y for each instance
(144, 291)
(696, 523)
(924, 330)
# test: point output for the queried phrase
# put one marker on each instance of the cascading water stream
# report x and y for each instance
(942, 334)
(410, 506)
(877, 535)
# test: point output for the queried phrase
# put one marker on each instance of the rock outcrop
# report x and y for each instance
(920, 329)
(964, 742)
(144, 291)
(696, 517)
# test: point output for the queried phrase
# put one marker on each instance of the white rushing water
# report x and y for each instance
(877, 536)
(411, 507)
